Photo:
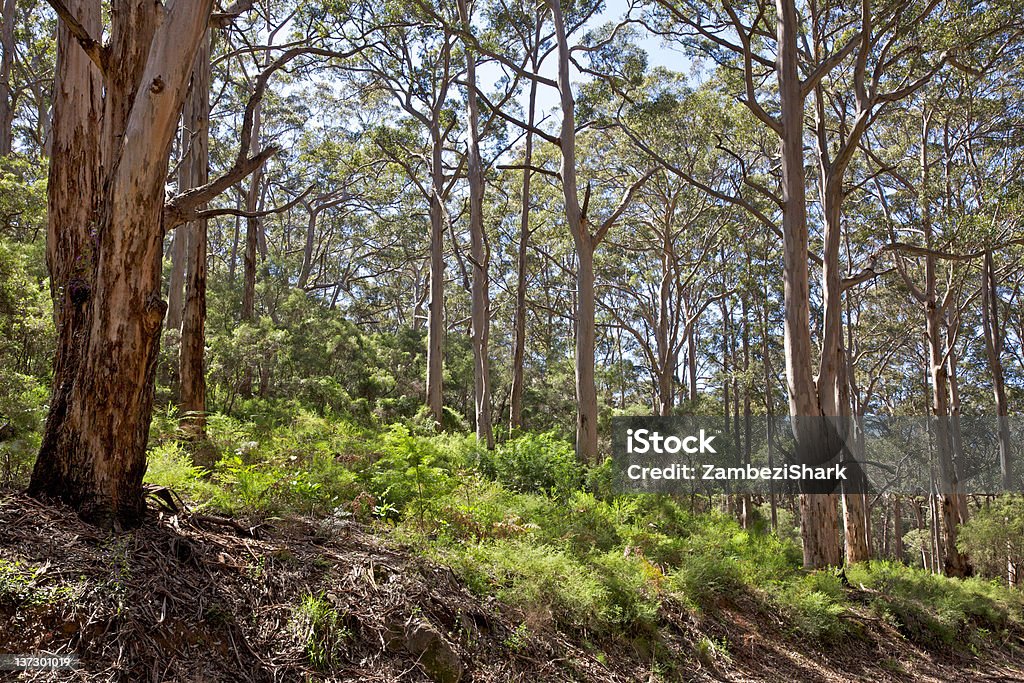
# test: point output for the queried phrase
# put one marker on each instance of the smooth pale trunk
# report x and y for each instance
(307, 249)
(435, 307)
(691, 362)
(950, 515)
(176, 281)
(519, 344)
(665, 369)
(586, 388)
(252, 229)
(993, 350)
(480, 304)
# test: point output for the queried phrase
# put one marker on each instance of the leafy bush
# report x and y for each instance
(23, 405)
(537, 463)
(412, 472)
(544, 582)
(170, 465)
(815, 605)
(994, 536)
(937, 610)
(317, 625)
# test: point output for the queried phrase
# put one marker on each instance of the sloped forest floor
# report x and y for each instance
(202, 598)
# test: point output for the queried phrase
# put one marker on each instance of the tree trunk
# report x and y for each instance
(307, 249)
(769, 409)
(6, 66)
(195, 169)
(665, 367)
(691, 362)
(818, 511)
(519, 326)
(435, 307)
(252, 228)
(73, 201)
(897, 528)
(179, 250)
(93, 452)
(747, 412)
(481, 303)
(586, 387)
(949, 514)
(994, 351)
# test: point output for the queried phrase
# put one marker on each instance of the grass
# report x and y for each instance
(319, 628)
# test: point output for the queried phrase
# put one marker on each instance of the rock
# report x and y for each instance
(437, 656)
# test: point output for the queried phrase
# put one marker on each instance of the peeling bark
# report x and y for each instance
(107, 267)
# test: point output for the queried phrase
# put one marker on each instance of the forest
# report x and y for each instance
(317, 318)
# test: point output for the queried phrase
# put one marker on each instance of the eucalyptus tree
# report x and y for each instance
(115, 115)
(527, 24)
(479, 251)
(8, 17)
(802, 46)
(193, 172)
(934, 275)
(661, 266)
(412, 62)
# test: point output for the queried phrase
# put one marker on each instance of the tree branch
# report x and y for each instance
(92, 47)
(184, 207)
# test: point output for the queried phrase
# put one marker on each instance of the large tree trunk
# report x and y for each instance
(195, 173)
(6, 66)
(93, 452)
(950, 514)
(435, 307)
(481, 303)
(73, 200)
(818, 511)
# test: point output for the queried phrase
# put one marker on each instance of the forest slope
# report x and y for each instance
(197, 598)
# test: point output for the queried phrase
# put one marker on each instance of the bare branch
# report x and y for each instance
(213, 213)
(183, 207)
(627, 198)
(93, 48)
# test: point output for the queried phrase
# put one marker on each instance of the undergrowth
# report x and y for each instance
(528, 524)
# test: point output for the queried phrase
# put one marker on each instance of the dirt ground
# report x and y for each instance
(204, 599)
